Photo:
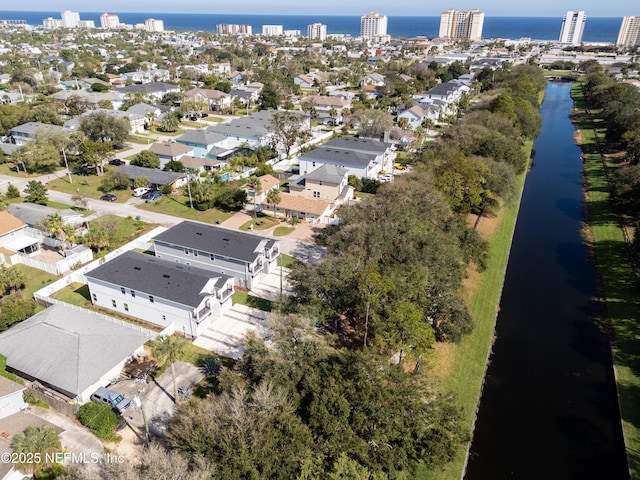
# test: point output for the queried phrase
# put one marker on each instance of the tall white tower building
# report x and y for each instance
(109, 20)
(373, 25)
(629, 35)
(461, 24)
(572, 27)
(154, 25)
(70, 19)
(317, 31)
(272, 30)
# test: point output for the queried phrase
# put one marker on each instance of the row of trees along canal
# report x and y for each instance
(323, 400)
(619, 104)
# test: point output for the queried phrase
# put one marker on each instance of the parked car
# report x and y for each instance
(386, 178)
(117, 162)
(108, 197)
(138, 192)
(153, 196)
(115, 400)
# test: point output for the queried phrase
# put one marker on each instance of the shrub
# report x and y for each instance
(31, 398)
(166, 189)
(12, 191)
(100, 419)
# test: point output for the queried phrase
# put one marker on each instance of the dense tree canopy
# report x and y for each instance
(303, 406)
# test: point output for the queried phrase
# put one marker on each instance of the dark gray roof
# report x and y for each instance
(155, 176)
(212, 239)
(340, 157)
(70, 348)
(358, 144)
(158, 277)
(8, 148)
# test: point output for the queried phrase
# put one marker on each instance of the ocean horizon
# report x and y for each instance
(597, 29)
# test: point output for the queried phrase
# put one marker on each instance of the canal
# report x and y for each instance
(549, 407)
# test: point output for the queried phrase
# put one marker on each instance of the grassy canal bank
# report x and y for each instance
(619, 280)
(460, 368)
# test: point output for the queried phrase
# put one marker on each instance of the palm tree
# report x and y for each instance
(273, 198)
(256, 184)
(41, 441)
(11, 279)
(169, 122)
(169, 350)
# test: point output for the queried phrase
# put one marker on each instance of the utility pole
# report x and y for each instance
(138, 403)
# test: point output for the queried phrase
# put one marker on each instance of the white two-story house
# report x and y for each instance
(241, 255)
(161, 291)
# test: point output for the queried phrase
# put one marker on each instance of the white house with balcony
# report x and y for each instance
(161, 292)
(243, 256)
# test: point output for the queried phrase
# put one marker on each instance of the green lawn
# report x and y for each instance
(126, 228)
(619, 281)
(263, 222)
(140, 139)
(283, 231)
(286, 260)
(177, 133)
(75, 294)
(10, 169)
(244, 298)
(460, 368)
(87, 184)
(35, 279)
(178, 206)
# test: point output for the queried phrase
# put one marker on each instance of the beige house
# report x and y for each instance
(169, 151)
(311, 210)
(329, 182)
(217, 100)
(267, 182)
(326, 105)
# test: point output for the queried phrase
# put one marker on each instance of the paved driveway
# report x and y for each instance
(225, 335)
(157, 396)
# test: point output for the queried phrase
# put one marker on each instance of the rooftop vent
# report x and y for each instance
(137, 268)
(166, 275)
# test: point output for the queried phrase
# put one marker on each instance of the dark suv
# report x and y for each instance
(117, 162)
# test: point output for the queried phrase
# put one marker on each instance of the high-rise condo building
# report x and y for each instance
(373, 25)
(70, 19)
(572, 27)
(153, 25)
(317, 31)
(461, 24)
(109, 20)
(629, 35)
(233, 29)
(272, 30)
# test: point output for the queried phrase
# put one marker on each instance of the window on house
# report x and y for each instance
(95, 297)
(313, 164)
(151, 299)
(316, 194)
(212, 257)
(133, 293)
(164, 317)
(126, 307)
(186, 251)
(114, 304)
(320, 183)
(195, 253)
(122, 290)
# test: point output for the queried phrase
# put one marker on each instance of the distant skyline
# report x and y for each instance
(541, 8)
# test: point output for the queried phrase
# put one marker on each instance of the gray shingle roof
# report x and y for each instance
(31, 127)
(155, 176)
(342, 157)
(330, 174)
(158, 277)
(200, 137)
(358, 144)
(212, 239)
(69, 348)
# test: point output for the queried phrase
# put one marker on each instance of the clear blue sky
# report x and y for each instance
(538, 8)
